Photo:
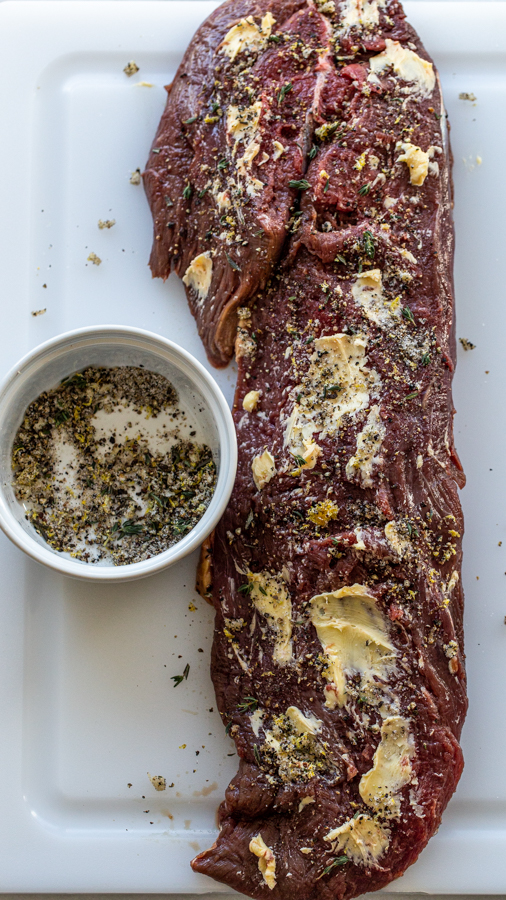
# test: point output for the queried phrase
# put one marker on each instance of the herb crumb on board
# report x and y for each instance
(131, 68)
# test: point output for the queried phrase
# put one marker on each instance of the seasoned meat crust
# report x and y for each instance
(217, 188)
(338, 655)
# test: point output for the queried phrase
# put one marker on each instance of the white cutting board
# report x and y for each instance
(87, 705)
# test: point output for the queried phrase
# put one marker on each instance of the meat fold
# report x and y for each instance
(338, 657)
(231, 145)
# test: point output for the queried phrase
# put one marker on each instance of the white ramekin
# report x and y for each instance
(113, 345)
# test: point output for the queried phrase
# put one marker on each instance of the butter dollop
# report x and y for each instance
(263, 468)
(362, 839)
(266, 860)
(250, 401)
(247, 35)
(199, 274)
(407, 65)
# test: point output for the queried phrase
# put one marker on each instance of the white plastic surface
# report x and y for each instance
(87, 704)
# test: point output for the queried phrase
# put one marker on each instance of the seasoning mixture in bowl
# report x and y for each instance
(109, 468)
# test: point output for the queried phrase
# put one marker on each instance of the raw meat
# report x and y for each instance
(338, 653)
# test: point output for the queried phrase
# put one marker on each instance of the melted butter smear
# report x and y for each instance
(407, 65)
(353, 634)
(337, 383)
(391, 768)
(247, 35)
(270, 597)
(362, 839)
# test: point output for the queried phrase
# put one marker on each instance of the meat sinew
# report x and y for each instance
(335, 573)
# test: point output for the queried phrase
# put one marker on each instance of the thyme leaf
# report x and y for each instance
(407, 314)
(339, 861)
(129, 526)
(301, 185)
(330, 389)
(177, 679)
(77, 379)
(368, 244)
(233, 265)
(284, 91)
(187, 192)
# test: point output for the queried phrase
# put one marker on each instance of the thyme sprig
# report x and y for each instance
(248, 704)
(177, 679)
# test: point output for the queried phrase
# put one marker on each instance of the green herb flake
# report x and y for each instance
(284, 91)
(364, 189)
(339, 861)
(233, 265)
(301, 185)
(223, 163)
(187, 192)
(408, 315)
(190, 121)
(368, 244)
(312, 153)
